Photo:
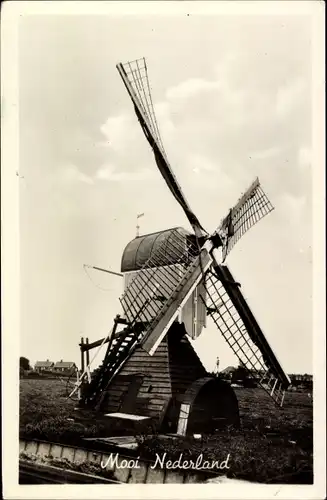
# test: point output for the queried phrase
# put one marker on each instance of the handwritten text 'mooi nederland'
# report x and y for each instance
(161, 462)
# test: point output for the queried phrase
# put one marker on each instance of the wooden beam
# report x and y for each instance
(87, 352)
(97, 343)
(82, 353)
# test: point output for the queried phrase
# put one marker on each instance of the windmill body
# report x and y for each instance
(172, 282)
(138, 251)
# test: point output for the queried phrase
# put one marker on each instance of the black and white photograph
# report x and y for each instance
(163, 320)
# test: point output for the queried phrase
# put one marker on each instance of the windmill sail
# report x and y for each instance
(236, 323)
(135, 77)
(251, 207)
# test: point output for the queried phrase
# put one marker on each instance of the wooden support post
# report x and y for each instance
(78, 385)
(87, 352)
(282, 401)
(82, 355)
(272, 390)
(183, 419)
(112, 336)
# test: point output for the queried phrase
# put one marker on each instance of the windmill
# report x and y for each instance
(174, 280)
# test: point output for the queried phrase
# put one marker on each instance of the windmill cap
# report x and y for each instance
(139, 250)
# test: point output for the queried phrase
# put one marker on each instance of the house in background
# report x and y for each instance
(227, 373)
(41, 366)
(64, 366)
(301, 380)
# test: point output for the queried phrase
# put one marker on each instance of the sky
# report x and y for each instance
(232, 96)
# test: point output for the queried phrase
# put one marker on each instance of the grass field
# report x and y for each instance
(273, 444)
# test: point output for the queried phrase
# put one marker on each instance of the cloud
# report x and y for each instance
(295, 206)
(188, 89)
(265, 153)
(126, 146)
(112, 174)
(289, 96)
(116, 129)
(304, 157)
(71, 174)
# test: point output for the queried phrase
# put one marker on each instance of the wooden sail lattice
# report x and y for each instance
(137, 75)
(234, 320)
(250, 209)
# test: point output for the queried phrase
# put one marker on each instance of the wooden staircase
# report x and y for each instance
(118, 351)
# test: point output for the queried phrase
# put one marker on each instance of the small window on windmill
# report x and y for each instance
(150, 388)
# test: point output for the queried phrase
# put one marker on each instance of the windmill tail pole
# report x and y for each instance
(104, 270)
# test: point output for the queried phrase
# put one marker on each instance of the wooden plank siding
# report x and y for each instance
(155, 389)
(184, 364)
(165, 375)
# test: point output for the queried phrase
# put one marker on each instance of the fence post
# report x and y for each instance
(82, 355)
(87, 352)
